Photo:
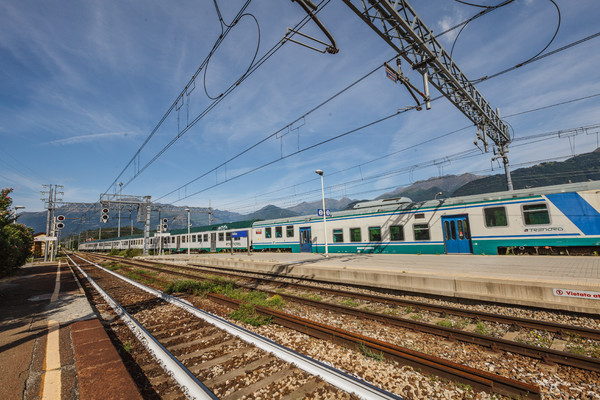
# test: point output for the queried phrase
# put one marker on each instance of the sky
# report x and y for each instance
(95, 93)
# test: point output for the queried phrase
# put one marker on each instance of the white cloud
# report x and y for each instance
(89, 138)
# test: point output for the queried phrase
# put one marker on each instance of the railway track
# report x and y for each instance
(477, 379)
(210, 358)
(547, 355)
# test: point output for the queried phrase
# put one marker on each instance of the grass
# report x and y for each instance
(247, 313)
(370, 353)
(482, 328)
(417, 317)
(349, 303)
(128, 345)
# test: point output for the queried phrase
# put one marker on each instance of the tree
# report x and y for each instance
(15, 239)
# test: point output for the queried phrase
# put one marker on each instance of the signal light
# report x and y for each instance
(164, 227)
(104, 217)
(59, 224)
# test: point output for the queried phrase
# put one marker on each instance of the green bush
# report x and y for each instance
(16, 240)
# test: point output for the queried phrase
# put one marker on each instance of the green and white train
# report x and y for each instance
(560, 219)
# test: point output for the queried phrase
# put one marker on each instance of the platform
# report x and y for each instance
(52, 345)
(570, 283)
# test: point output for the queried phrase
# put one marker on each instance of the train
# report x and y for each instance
(558, 219)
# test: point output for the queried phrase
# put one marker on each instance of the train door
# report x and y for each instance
(457, 234)
(213, 242)
(305, 240)
(178, 244)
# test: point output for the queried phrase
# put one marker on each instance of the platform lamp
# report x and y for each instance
(188, 235)
(320, 173)
(17, 208)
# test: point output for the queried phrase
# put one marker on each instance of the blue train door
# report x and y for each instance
(457, 234)
(305, 240)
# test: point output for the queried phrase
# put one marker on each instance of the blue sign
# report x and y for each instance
(239, 234)
(327, 212)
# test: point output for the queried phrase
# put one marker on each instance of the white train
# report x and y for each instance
(547, 220)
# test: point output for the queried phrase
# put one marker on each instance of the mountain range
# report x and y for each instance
(576, 169)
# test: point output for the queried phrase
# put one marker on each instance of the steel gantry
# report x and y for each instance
(398, 24)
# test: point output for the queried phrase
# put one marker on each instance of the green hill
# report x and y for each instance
(576, 169)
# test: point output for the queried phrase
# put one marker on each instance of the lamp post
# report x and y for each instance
(320, 173)
(16, 209)
(188, 235)
(119, 224)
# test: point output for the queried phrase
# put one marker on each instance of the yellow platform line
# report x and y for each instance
(51, 378)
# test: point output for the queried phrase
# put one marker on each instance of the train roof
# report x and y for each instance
(205, 228)
(209, 228)
(403, 203)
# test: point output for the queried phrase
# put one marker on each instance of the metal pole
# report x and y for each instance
(47, 242)
(320, 172)
(119, 218)
(147, 224)
(188, 235)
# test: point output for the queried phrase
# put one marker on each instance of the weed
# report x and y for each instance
(128, 345)
(417, 317)
(370, 353)
(482, 328)
(446, 323)
(349, 303)
(408, 309)
(315, 297)
(247, 313)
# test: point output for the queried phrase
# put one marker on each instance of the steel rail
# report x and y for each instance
(189, 384)
(549, 356)
(441, 309)
(478, 379)
(331, 375)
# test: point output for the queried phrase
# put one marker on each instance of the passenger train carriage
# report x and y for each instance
(210, 238)
(546, 220)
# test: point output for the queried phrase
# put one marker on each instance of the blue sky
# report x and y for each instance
(83, 85)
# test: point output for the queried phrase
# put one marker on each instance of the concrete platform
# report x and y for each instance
(50, 341)
(554, 282)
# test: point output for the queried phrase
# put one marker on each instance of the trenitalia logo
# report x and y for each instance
(547, 229)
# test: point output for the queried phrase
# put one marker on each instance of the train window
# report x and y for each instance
(228, 236)
(221, 236)
(183, 239)
(461, 233)
(536, 214)
(420, 216)
(447, 230)
(278, 231)
(206, 237)
(495, 216)
(396, 232)
(355, 235)
(173, 239)
(268, 232)
(338, 236)
(374, 234)
(289, 231)
(453, 229)
(421, 231)
(466, 228)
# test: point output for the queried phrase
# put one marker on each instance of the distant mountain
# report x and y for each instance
(270, 212)
(576, 169)
(305, 208)
(427, 189)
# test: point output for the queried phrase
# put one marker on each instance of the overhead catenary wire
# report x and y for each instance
(226, 162)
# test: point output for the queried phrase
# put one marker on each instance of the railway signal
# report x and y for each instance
(59, 222)
(165, 225)
(104, 217)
